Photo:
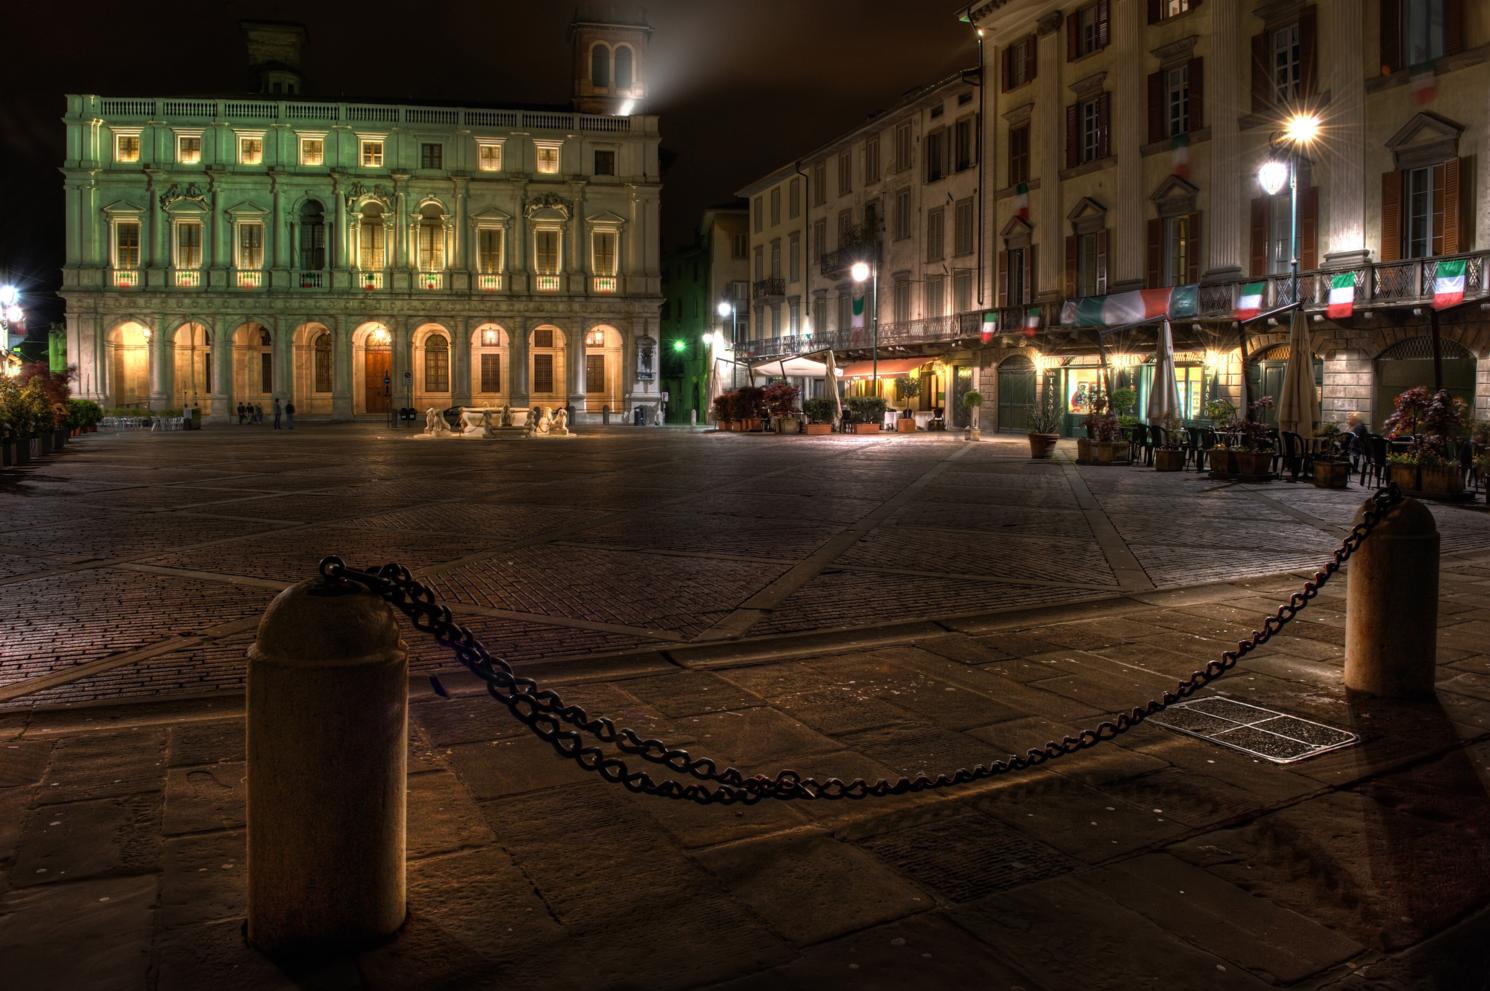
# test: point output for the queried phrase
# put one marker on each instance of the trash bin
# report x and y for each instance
(637, 416)
(605, 415)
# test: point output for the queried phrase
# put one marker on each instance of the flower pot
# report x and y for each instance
(752, 423)
(1331, 474)
(787, 425)
(865, 428)
(1083, 450)
(1169, 459)
(905, 425)
(1441, 482)
(1405, 477)
(1254, 464)
(817, 429)
(1223, 462)
(1043, 445)
(1109, 452)
(91, 428)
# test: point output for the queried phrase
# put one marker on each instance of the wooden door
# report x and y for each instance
(1016, 394)
(377, 367)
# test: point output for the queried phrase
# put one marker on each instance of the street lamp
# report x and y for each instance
(1299, 131)
(861, 271)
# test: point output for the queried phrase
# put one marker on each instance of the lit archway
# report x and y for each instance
(315, 369)
(489, 366)
(546, 369)
(192, 365)
(253, 364)
(372, 369)
(128, 346)
(431, 367)
(603, 355)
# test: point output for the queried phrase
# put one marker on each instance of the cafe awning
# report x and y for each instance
(796, 366)
(888, 367)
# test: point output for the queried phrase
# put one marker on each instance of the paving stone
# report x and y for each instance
(203, 879)
(95, 765)
(442, 817)
(216, 955)
(691, 693)
(203, 799)
(94, 934)
(63, 843)
(23, 762)
(753, 739)
(212, 742)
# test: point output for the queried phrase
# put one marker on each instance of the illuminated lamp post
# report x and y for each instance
(1299, 131)
(862, 271)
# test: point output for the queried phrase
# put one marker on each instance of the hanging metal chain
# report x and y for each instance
(546, 713)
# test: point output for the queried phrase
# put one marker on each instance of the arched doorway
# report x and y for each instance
(1409, 363)
(603, 350)
(315, 369)
(129, 365)
(546, 382)
(489, 366)
(192, 364)
(1016, 385)
(372, 369)
(432, 373)
(1265, 378)
(253, 364)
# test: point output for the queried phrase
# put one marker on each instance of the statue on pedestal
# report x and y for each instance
(506, 415)
(434, 424)
(560, 427)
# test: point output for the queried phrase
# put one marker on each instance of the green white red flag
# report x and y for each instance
(1342, 296)
(856, 321)
(1448, 284)
(990, 325)
(1249, 301)
(1031, 321)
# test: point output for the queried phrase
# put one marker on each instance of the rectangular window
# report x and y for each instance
(1287, 64)
(595, 374)
(871, 226)
(251, 246)
(1419, 191)
(603, 246)
(189, 149)
(963, 143)
(605, 161)
(760, 262)
(794, 257)
(266, 372)
(372, 154)
(903, 151)
(250, 150)
(872, 159)
(489, 157)
(323, 364)
(126, 147)
(1422, 31)
(819, 237)
(845, 227)
(543, 373)
(775, 206)
(819, 314)
(1280, 235)
(489, 245)
(819, 183)
(1177, 100)
(740, 288)
(936, 234)
(548, 158)
(1019, 154)
(776, 258)
(188, 244)
(962, 228)
(491, 373)
(845, 311)
(739, 245)
(127, 244)
(794, 317)
(962, 292)
(1014, 277)
(1090, 279)
(1170, 8)
(546, 251)
(936, 295)
(758, 210)
(431, 155)
(901, 297)
(1089, 124)
(436, 367)
(543, 337)
(431, 244)
(312, 151)
(776, 321)
(1177, 249)
(1088, 29)
(370, 244)
(1019, 63)
(902, 214)
(845, 172)
(936, 157)
(794, 199)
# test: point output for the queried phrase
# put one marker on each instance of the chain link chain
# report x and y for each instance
(547, 715)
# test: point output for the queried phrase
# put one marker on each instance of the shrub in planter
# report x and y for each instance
(866, 413)
(781, 403)
(722, 409)
(1045, 423)
(819, 415)
(750, 407)
(1437, 424)
(972, 401)
(1171, 455)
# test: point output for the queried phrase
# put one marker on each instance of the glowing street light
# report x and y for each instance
(859, 271)
(1272, 176)
(9, 296)
(1302, 129)
(680, 345)
(1299, 131)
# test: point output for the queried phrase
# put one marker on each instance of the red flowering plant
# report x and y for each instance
(1252, 433)
(1435, 423)
(1100, 423)
(52, 385)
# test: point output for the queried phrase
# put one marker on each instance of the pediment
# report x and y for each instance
(245, 209)
(493, 216)
(1424, 128)
(605, 218)
(1086, 207)
(124, 206)
(1017, 227)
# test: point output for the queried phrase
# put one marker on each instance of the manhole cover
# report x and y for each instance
(966, 857)
(1272, 736)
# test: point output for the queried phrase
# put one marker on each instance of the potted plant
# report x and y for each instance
(819, 416)
(1436, 424)
(1255, 447)
(906, 389)
(1105, 444)
(1171, 455)
(1045, 422)
(723, 410)
(1124, 404)
(1331, 465)
(781, 402)
(973, 401)
(868, 413)
(750, 407)
(1223, 415)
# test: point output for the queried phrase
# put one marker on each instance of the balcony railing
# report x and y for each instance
(431, 280)
(767, 288)
(248, 278)
(606, 284)
(186, 278)
(126, 278)
(311, 279)
(489, 282)
(835, 264)
(370, 281)
(548, 283)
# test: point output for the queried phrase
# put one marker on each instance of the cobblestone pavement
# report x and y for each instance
(944, 605)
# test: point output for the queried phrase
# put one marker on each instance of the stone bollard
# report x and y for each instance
(327, 753)
(1391, 606)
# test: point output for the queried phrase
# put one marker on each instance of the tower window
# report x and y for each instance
(624, 73)
(600, 67)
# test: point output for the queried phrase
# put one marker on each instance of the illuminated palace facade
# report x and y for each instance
(349, 257)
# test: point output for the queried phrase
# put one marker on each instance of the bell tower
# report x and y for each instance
(610, 64)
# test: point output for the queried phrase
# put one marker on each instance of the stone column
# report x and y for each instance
(399, 226)
(149, 226)
(1226, 78)
(284, 360)
(277, 252)
(460, 364)
(1344, 154)
(403, 362)
(517, 351)
(458, 252)
(1125, 268)
(342, 406)
(1048, 127)
(574, 356)
(222, 374)
(160, 362)
(338, 247)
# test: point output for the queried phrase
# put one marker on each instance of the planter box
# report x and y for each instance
(752, 423)
(1223, 462)
(786, 424)
(818, 429)
(863, 428)
(1083, 450)
(905, 425)
(1331, 474)
(1109, 452)
(1441, 483)
(1254, 464)
(1405, 477)
(1043, 445)
(1169, 459)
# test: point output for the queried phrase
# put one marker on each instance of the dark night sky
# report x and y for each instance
(742, 85)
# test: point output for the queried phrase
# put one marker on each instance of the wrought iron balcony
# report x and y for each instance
(770, 288)
(835, 264)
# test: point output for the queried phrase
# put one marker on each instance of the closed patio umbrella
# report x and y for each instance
(1164, 397)
(1298, 406)
(714, 388)
(832, 380)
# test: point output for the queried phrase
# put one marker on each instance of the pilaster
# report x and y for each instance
(1130, 18)
(1222, 230)
(341, 370)
(517, 348)
(1344, 154)
(460, 363)
(160, 364)
(1046, 134)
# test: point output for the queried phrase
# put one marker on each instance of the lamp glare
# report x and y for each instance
(859, 271)
(1272, 176)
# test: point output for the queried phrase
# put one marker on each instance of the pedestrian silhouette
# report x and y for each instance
(277, 413)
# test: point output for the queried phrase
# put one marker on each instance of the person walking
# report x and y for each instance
(242, 412)
(277, 412)
(290, 415)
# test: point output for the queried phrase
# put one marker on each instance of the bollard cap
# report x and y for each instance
(317, 623)
(1408, 518)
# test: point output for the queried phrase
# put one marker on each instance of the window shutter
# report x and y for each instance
(1309, 229)
(1070, 37)
(1034, 50)
(1070, 266)
(1072, 151)
(1154, 11)
(1104, 125)
(1261, 93)
(1192, 250)
(1102, 261)
(1030, 281)
(1453, 213)
(1258, 264)
(1008, 64)
(1308, 52)
(1002, 279)
(1440, 180)
(1453, 26)
(1156, 106)
(1154, 263)
(1391, 216)
(1391, 40)
(1103, 23)
(1195, 80)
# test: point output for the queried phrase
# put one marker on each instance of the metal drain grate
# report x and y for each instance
(966, 857)
(1272, 736)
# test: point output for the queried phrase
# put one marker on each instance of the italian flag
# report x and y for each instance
(1122, 308)
(1448, 284)
(1031, 321)
(990, 325)
(1249, 301)
(1022, 201)
(1342, 296)
(857, 321)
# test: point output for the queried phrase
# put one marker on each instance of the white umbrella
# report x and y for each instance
(832, 380)
(1298, 406)
(1164, 397)
(714, 389)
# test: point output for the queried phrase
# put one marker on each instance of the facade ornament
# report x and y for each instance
(361, 190)
(175, 194)
(548, 201)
